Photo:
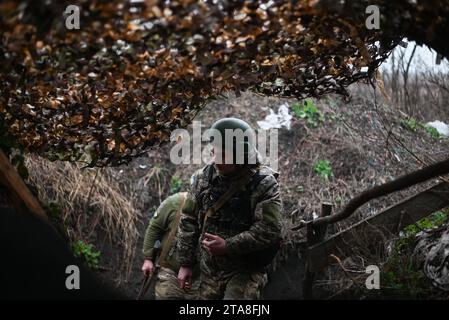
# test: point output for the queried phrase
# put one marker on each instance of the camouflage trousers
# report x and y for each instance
(167, 287)
(237, 286)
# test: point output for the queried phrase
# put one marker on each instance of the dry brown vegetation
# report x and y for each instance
(89, 199)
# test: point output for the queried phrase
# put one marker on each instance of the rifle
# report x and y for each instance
(149, 279)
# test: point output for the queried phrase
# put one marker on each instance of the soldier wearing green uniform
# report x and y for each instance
(159, 228)
(239, 238)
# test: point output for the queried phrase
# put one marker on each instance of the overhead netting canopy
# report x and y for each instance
(136, 70)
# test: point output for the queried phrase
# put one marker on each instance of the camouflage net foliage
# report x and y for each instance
(137, 70)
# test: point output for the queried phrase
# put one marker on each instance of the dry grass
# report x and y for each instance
(88, 199)
(155, 179)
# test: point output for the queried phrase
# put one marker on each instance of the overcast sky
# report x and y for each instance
(424, 59)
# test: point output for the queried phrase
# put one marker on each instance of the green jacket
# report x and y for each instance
(159, 228)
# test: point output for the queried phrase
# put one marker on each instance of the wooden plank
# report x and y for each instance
(18, 190)
(314, 236)
(390, 220)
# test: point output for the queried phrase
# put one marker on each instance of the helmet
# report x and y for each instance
(232, 134)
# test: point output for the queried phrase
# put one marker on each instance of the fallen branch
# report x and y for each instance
(406, 181)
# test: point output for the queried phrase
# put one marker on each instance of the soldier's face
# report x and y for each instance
(223, 162)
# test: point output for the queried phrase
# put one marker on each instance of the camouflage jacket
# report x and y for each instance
(249, 221)
(159, 228)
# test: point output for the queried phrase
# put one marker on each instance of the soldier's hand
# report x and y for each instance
(185, 277)
(147, 267)
(214, 244)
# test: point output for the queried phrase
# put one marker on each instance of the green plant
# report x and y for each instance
(309, 112)
(323, 169)
(175, 184)
(439, 217)
(410, 124)
(434, 220)
(400, 275)
(401, 278)
(86, 252)
(433, 132)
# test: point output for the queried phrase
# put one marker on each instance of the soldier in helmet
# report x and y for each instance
(160, 229)
(232, 213)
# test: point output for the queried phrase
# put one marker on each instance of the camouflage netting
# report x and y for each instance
(137, 70)
(431, 254)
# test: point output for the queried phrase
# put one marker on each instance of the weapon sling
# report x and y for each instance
(171, 236)
(233, 189)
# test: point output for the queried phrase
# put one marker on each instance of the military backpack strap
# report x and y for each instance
(171, 236)
(233, 189)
